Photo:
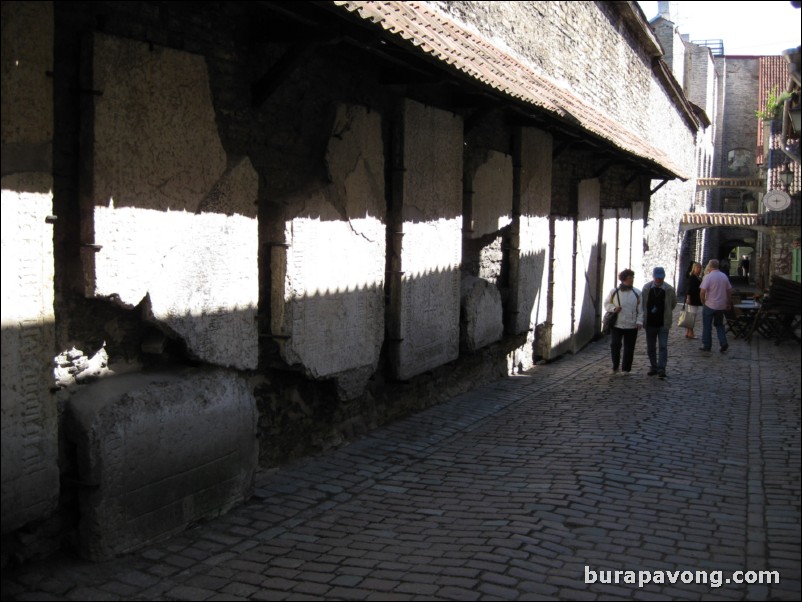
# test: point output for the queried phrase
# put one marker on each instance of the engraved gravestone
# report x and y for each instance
(427, 303)
(168, 218)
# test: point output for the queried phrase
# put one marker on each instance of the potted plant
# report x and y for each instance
(774, 105)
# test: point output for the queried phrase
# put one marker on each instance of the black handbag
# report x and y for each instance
(608, 321)
(610, 317)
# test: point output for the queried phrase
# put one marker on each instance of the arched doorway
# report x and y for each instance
(725, 237)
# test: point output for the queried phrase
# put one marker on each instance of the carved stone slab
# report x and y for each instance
(530, 262)
(491, 207)
(586, 263)
(426, 305)
(328, 279)
(29, 416)
(482, 313)
(169, 219)
(638, 238)
(560, 332)
(30, 475)
(625, 243)
(609, 265)
(146, 469)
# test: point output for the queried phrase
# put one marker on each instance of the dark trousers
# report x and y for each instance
(627, 336)
(657, 346)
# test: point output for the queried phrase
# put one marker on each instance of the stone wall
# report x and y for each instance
(739, 122)
(781, 251)
(556, 39)
(355, 249)
(671, 41)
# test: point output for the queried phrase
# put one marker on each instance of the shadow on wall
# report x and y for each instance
(592, 305)
(527, 304)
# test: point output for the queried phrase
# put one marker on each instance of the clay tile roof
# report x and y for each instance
(438, 36)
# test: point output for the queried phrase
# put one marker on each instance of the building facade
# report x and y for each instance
(747, 142)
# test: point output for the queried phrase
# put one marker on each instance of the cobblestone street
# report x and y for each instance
(517, 490)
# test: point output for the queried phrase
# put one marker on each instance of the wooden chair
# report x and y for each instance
(779, 315)
(738, 322)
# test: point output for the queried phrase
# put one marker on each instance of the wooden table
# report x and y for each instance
(740, 323)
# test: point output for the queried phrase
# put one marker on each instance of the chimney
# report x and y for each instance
(663, 10)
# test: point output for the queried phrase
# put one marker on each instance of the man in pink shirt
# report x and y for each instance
(716, 295)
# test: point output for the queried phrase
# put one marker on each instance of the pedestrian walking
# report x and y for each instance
(693, 300)
(624, 300)
(659, 301)
(744, 267)
(716, 295)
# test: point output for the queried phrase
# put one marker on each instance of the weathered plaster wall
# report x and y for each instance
(30, 485)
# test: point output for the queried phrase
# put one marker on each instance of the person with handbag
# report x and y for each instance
(659, 301)
(624, 302)
(693, 301)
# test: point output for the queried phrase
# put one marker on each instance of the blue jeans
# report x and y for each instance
(709, 318)
(657, 346)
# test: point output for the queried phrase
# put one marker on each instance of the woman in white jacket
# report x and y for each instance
(624, 301)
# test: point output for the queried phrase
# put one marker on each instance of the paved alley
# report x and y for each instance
(550, 485)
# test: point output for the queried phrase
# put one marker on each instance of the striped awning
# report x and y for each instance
(747, 183)
(721, 219)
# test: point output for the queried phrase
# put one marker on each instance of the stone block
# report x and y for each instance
(482, 313)
(328, 277)
(529, 256)
(491, 201)
(156, 452)
(173, 219)
(425, 300)
(27, 95)
(30, 482)
(586, 258)
(555, 336)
